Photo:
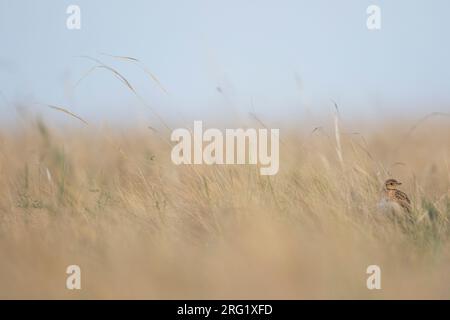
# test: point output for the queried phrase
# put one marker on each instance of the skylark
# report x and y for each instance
(393, 196)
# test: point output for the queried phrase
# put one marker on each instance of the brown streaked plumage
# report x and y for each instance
(392, 194)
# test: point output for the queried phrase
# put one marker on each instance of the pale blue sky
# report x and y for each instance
(285, 56)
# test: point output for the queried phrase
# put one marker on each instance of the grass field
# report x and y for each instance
(112, 202)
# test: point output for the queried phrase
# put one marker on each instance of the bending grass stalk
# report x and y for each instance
(125, 82)
(142, 67)
(67, 112)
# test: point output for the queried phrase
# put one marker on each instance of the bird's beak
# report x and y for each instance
(399, 183)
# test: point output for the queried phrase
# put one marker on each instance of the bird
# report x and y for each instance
(394, 197)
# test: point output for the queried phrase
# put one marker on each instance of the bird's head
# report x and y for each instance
(391, 184)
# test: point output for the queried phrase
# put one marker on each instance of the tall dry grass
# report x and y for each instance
(112, 202)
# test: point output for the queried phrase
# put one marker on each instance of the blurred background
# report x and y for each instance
(108, 198)
(284, 60)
